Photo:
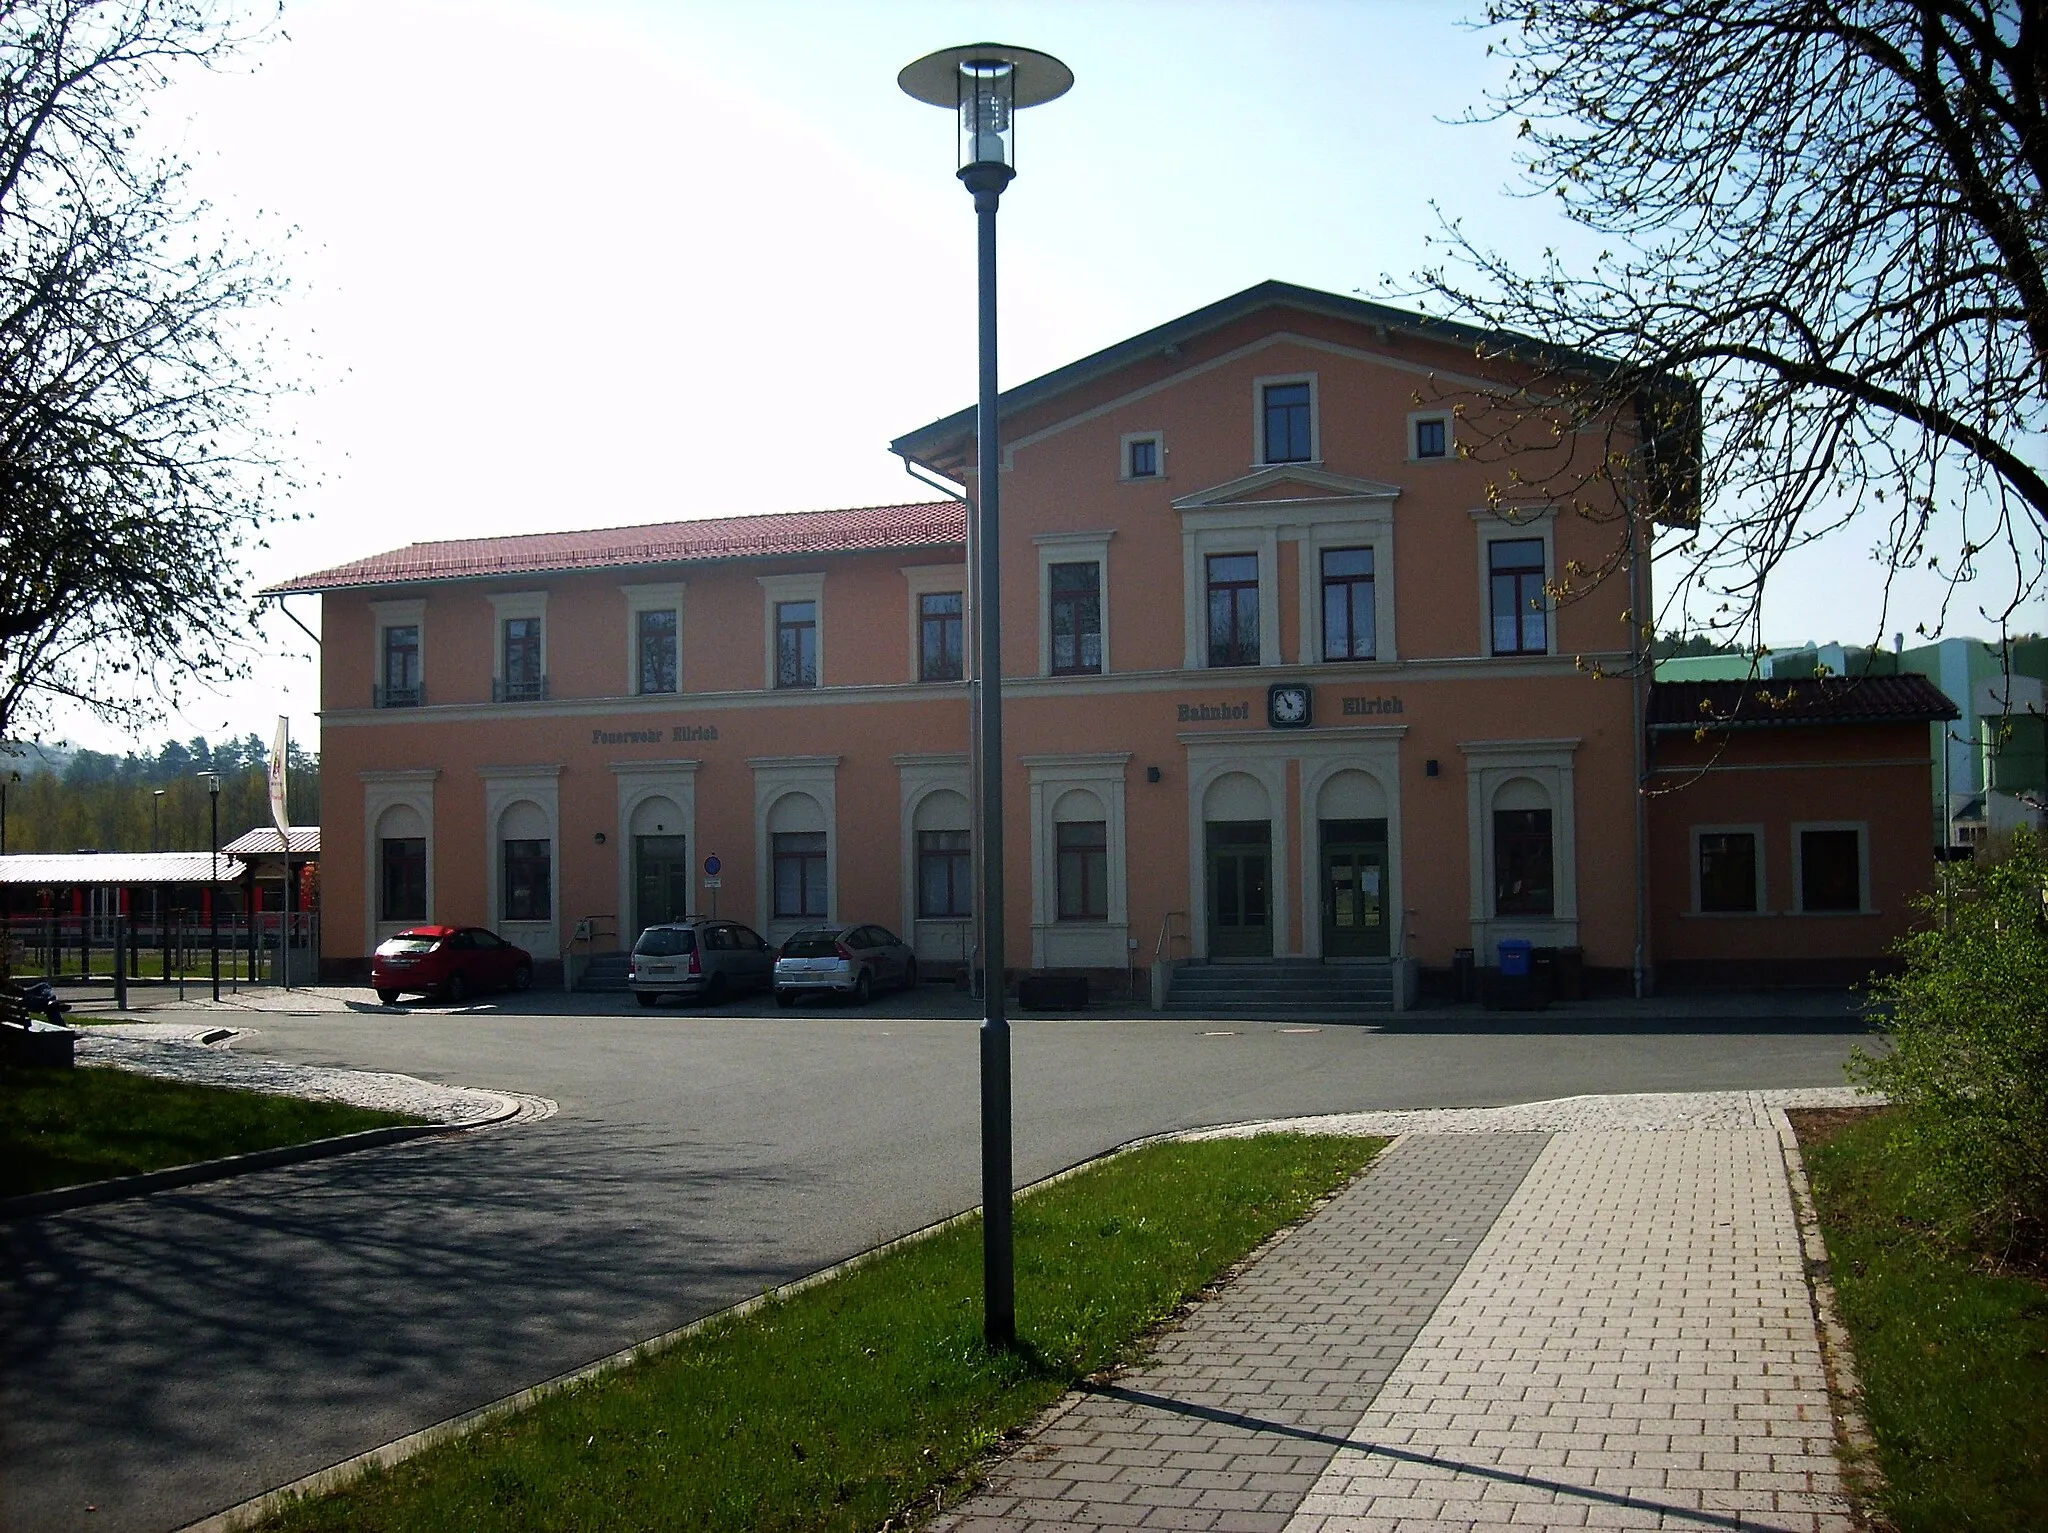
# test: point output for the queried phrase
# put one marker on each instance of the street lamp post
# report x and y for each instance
(156, 891)
(12, 776)
(213, 889)
(986, 84)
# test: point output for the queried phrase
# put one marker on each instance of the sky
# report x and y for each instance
(586, 263)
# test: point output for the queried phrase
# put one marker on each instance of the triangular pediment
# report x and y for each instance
(1286, 484)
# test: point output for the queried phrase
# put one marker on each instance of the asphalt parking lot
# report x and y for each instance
(172, 1355)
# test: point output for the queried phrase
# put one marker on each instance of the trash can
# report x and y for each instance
(1464, 975)
(1571, 974)
(1515, 955)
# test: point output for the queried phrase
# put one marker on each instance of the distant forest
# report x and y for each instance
(97, 802)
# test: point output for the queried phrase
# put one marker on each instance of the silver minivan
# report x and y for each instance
(699, 960)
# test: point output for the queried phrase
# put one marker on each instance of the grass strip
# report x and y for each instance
(870, 1397)
(1952, 1353)
(59, 1128)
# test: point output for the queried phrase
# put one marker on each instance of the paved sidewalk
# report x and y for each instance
(1588, 1313)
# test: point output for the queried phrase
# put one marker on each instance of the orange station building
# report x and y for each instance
(1282, 681)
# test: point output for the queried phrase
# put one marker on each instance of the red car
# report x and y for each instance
(452, 962)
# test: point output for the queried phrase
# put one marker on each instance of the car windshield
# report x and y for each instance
(401, 945)
(812, 944)
(665, 941)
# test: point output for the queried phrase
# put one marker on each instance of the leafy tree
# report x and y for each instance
(1824, 288)
(1968, 1035)
(109, 802)
(135, 462)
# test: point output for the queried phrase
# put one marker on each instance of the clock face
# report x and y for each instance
(1287, 707)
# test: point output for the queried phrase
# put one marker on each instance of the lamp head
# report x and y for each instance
(986, 84)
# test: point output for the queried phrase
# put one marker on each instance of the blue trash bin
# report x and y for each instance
(1514, 956)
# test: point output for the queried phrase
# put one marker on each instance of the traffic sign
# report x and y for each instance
(713, 881)
(712, 865)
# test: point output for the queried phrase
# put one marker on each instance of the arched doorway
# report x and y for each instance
(1237, 819)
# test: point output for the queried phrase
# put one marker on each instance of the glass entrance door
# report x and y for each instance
(1240, 861)
(1355, 889)
(661, 880)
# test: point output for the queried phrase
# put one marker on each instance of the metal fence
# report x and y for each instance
(270, 947)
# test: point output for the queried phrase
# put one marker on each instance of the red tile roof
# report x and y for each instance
(1906, 699)
(864, 529)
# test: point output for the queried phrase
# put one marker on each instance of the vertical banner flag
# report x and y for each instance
(278, 751)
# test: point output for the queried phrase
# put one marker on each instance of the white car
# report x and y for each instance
(846, 961)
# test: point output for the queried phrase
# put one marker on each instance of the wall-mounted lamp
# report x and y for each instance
(1151, 774)
(598, 838)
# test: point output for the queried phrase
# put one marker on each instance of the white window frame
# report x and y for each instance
(638, 781)
(918, 776)
(1512, 524)
(505, 786)
(807, 586)
(1315, 421)
(935, 580)
(816, 777)
(1072, 548)
(1450, 452)
(1489, 766)
(667, 597)
(1756, 834)
(506, 607)
(1197, 545)
(386, 615)
(1078, 944)
(1123, 463)
(1797, 904)
(383, 791)
(1377, 535)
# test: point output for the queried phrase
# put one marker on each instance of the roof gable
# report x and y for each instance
(1286, 484)
(933, 442)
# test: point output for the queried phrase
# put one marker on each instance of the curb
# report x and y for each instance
(1855, 1447)
(115, 1189)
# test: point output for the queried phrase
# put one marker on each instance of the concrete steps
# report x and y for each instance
(606, 972)
(1282, 990)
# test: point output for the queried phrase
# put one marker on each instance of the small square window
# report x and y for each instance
(1830, 871)
(1728, 882)
(1432, 437)
(1142, 458)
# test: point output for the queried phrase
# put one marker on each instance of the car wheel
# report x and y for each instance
(647, 998)
(910, 976)
(457, 988)
(522, 977)
(388, 997)
(863, 989)
(784, 999)
(714, 993)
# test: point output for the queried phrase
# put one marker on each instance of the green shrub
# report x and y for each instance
(1968, 1056)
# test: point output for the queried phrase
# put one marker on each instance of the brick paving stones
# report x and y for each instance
(1246, 1404)
(1632, 1346)
(1585, 1313)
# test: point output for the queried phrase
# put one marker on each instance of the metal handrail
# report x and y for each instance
(1167, 934)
